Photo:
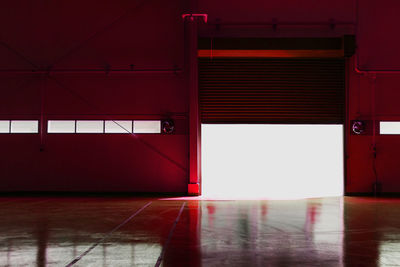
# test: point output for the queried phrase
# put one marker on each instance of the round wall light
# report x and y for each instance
(167, 126)
(358, 127)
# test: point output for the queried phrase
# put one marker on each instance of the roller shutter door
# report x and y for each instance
(272, 90)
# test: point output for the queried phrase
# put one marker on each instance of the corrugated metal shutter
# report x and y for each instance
(272, 90)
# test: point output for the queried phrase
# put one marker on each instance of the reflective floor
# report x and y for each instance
(94, 231)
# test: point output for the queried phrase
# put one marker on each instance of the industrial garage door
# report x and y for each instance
(265, 90)
(272, 127)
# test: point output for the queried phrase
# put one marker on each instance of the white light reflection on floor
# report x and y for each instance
(279, 233)
(112, 254)
(271, 161)
(389, 250)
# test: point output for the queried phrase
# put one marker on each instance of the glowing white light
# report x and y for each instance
(389, 127)
(61, 126)
(24, 126)
(118, 127)
(272, 161)
(89, 126)
(146, 126)
(4, 126)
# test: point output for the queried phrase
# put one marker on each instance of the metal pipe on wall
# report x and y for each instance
(330, 24)
(191, 20)
(194, 116)
(93, 71)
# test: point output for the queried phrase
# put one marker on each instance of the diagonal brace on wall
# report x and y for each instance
(132, 135)
(15, 52)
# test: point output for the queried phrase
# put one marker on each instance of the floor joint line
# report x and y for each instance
(161, 257)
(107, 235)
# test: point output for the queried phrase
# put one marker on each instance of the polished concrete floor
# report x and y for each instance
(115, 231)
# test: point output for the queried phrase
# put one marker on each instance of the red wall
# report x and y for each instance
(375, 97)
(85, 35)
(92, 35)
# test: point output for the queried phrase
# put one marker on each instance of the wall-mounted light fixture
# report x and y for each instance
(167, 126)
(358, 127)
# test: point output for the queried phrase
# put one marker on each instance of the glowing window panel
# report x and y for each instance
(389, 127)
(146, 126)
(4, 126)
(118, 127)
(271, 161)
(28, 126)
(61, 126)
(88, 126)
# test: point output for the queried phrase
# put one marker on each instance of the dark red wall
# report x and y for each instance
(375, 97)
(93, 35)
(59, 35)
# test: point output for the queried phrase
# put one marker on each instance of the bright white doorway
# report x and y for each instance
(247, 161)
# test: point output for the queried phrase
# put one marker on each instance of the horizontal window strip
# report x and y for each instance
(24, 126)
(104, 126)
(389, 127)
(61, 126)
(90, 126)
(147, 126)
(4, 126)
(83, 126)
(118, 126)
